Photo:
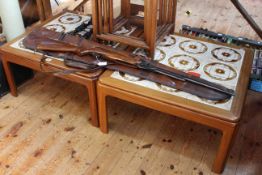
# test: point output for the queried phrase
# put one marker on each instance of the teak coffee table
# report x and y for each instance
(10, 54)
(225, 120)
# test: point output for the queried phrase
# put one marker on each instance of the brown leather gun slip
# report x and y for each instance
(90, 56)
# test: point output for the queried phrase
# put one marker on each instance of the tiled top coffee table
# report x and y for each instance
(222, 64)
(14, 52)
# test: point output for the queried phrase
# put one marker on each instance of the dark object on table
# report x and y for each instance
(85, 30)
(89, 55)
(205, 33)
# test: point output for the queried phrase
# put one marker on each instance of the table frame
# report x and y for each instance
(31, 60)
(225, 121)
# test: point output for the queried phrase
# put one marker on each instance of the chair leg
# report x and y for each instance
(10, 78)
(93, 103)
(224, 148)
(103, 120)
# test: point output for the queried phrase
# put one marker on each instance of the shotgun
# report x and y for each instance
(80, 50)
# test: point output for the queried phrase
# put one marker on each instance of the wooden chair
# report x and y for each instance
(156, 20)
(44, 9)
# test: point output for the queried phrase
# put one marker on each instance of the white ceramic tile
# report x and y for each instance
(219, 68)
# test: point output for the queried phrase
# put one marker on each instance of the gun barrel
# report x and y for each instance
(163, 69)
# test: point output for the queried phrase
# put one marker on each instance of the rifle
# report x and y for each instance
(83, 52)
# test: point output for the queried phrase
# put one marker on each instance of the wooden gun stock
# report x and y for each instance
(249, 19)
(97, 49)
(56, 47)
(107, 53)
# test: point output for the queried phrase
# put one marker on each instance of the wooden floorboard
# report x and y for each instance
(46, 130)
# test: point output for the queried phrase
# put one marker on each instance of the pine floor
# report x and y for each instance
(45, 130)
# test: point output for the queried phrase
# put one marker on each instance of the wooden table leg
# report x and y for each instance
(103, 117)
(10, 78)
(91, 86)
(224, 148)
